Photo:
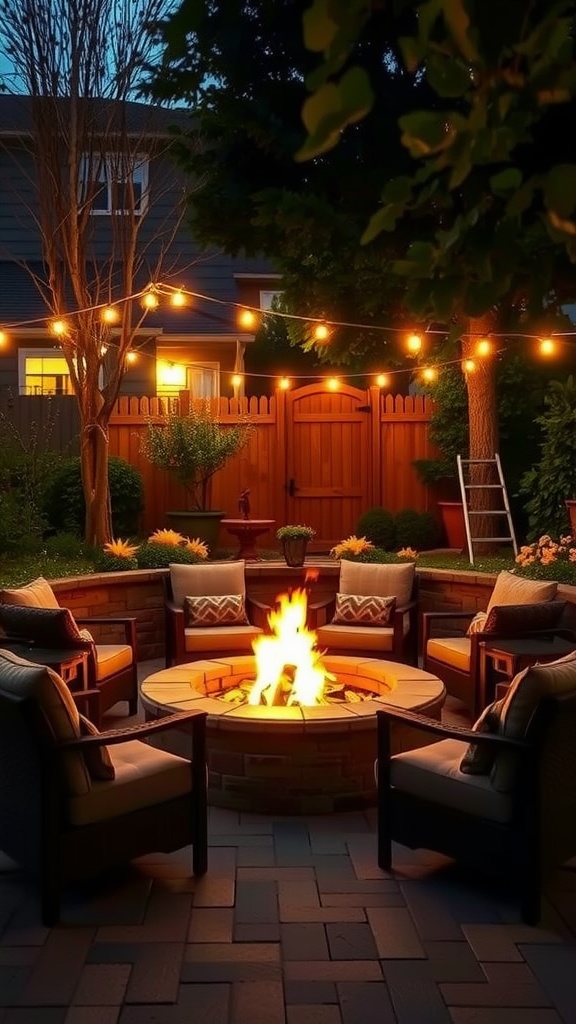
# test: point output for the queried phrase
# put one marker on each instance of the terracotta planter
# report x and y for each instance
(571, 506)
(452, 516)
(294, 550)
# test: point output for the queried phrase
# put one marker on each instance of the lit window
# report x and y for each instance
(203, 381)
(43, 372)
(114, 182)
(267, 298)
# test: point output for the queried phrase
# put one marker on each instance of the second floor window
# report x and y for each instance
(114, 182)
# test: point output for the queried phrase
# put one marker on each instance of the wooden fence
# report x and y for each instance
(316, 457)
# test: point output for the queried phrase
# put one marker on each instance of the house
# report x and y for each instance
(197, 345)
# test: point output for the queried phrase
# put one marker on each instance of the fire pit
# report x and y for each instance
(288, 729)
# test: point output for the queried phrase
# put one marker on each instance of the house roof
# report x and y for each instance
(139, 118)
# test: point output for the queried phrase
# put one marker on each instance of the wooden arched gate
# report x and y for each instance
(328, 455)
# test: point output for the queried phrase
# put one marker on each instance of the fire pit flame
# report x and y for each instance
(289, 667)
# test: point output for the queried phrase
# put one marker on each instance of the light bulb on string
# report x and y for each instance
(150, 299)
(131, 357)
(247, 319)
(103, 350)
(484, 348)
(547, 347)
(237, 379)
(321, 332)
(429, 374)
(284, 383)
(178, 299)
(3, 339)
(414, 344)
(383, 380)
(468, 366)
(110, 315)
(58, 327)
(332, 383)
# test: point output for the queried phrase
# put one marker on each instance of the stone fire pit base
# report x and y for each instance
(313, 760)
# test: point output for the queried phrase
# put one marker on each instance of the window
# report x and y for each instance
(43, 372)
(267, 297)
(203, 381)
(114, 182)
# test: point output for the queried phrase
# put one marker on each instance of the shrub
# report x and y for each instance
(377, 525)
(415, 529)
(553, 478)
(374, 555)
(64, 498)
(159, 556)
(114, 563)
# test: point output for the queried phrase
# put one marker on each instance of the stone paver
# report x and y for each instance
(294, 923)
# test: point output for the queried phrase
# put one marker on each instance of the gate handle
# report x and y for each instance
(291, 487)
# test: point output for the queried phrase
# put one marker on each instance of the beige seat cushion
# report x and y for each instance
(512, 589)
(144, 776)
(202, 580)
(353, 638)
(42, 684)
(110, 659)
(433, 773)
(220, 638)
(378, 580)
(38, 594)
(451, 650)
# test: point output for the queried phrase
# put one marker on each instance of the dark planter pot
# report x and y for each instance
(205, 525)
(294, 550)
(452, 516)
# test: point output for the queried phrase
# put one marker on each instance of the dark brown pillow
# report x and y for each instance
(479, 758)
(524, 618)
(45, 627)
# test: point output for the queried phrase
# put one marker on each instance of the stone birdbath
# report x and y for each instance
(246, 530)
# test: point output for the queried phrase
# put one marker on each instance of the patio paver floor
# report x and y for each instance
(293, 924)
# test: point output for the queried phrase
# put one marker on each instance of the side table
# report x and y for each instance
(70, 663)
(502, 659)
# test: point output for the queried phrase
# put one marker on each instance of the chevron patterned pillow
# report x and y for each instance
(361, 610)
(217, 610)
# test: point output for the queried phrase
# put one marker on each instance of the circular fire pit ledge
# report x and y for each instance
(292, 760)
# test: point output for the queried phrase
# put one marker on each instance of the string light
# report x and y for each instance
(429, 374)
(58, 327)
(468, 366)
(3, 338)
(237, 379)
(246, 319)
(383, 380)
(547, 347)
(178, 299)
(131, 357)
(103, 350)
(150, 299)
(414, 344)
(333, 384)
(321, 332)
(110, 315)
(484, 348)
(284, 383)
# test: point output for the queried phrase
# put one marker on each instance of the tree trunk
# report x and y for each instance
(94, 463)
(483, 427)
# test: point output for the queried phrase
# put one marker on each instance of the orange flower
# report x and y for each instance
(352, 546)
(120, 548)
(170, 537)
(196, 547)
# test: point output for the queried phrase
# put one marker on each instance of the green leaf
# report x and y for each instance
(356, 96)
(458, 22)
(399, 190)
(522, 199)
(413, 51)
(320, 106)
(425, 132)
(421, 252)
(506, 181)
(383, 220)
(319, 27)
(560, 190)
(565, 226)
(447, 76)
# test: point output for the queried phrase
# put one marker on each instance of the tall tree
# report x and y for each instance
(84, 140)
(242, 68)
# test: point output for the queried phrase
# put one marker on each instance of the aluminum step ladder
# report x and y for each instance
(495, 484)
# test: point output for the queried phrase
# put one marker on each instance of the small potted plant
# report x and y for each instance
(295, 540)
